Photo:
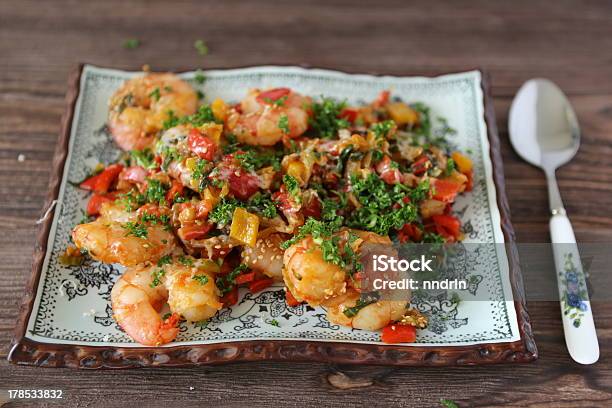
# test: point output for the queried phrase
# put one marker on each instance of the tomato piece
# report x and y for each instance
(312, 208)
(95, 203)
(382, 99)
(445, 190)
(410, 232)
(261, 284)
(272, 95)
(176, 189)
(100, 183)
(290, 299)
(134, 174)
(398, 333)
(201, 145)
(242, 184)
(245, 278)
(447, 225)
(349, 114)
(388, 171)
(108, 176)
(195, 231)
(90, 183)
(420, 165)
(230, 298)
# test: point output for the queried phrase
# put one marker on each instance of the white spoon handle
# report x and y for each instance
(578, 324)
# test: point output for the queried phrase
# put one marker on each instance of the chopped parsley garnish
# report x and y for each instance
(132, 200)
(169, 154)
(253, 160)
(155, 94)
(361, 303)
(427, 132)
(201, 279)
(293, 187)
(329, 212)
(156, 192)
(262, 204)
(279, 102)
(186, 260)
(157, 275)
(317, 229)
(382, 129)
(202, 116)
(382, 205)
(201, 47)
(433, 238)
(446, 403)
(377, 155)
(450, 166)
(227, 282)
(223, 211)
(164, 260)
(274, 322)
(131, 43)
(325, 120)
(199, 77)
(136, 229)
(283, 123)
(144, 158)
(199, 173)
(420, 192)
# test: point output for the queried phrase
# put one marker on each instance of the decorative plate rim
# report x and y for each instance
(29, 352)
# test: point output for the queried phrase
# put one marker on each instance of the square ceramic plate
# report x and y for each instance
(66, 318)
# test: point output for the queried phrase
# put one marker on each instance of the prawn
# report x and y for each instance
(308, 276)
(140, 107)
(118, 237)
(374, 316)
(136, 303)
(266, 256)
(265, 117)
(192, 292)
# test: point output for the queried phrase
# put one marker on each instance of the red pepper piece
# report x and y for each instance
(398, 333)
(261, 284)
(201, 145)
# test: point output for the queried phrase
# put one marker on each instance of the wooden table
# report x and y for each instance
(568, 42)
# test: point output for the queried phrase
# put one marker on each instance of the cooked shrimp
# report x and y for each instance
(118, 237)
(192, 292)
(266, 256)
(136, 304)
(308, 276)
(140, 107)
(371, 317)
(268, 116)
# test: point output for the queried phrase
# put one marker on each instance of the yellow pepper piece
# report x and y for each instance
(206, 265)
(402, 114)
(245, 227)
(211, 196)
(213, 131)
(464, 163)
(219, 109)
(297, 170)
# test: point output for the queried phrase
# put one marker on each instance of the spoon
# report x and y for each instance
(544, 132)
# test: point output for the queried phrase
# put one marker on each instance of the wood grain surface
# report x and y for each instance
(569, 42)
